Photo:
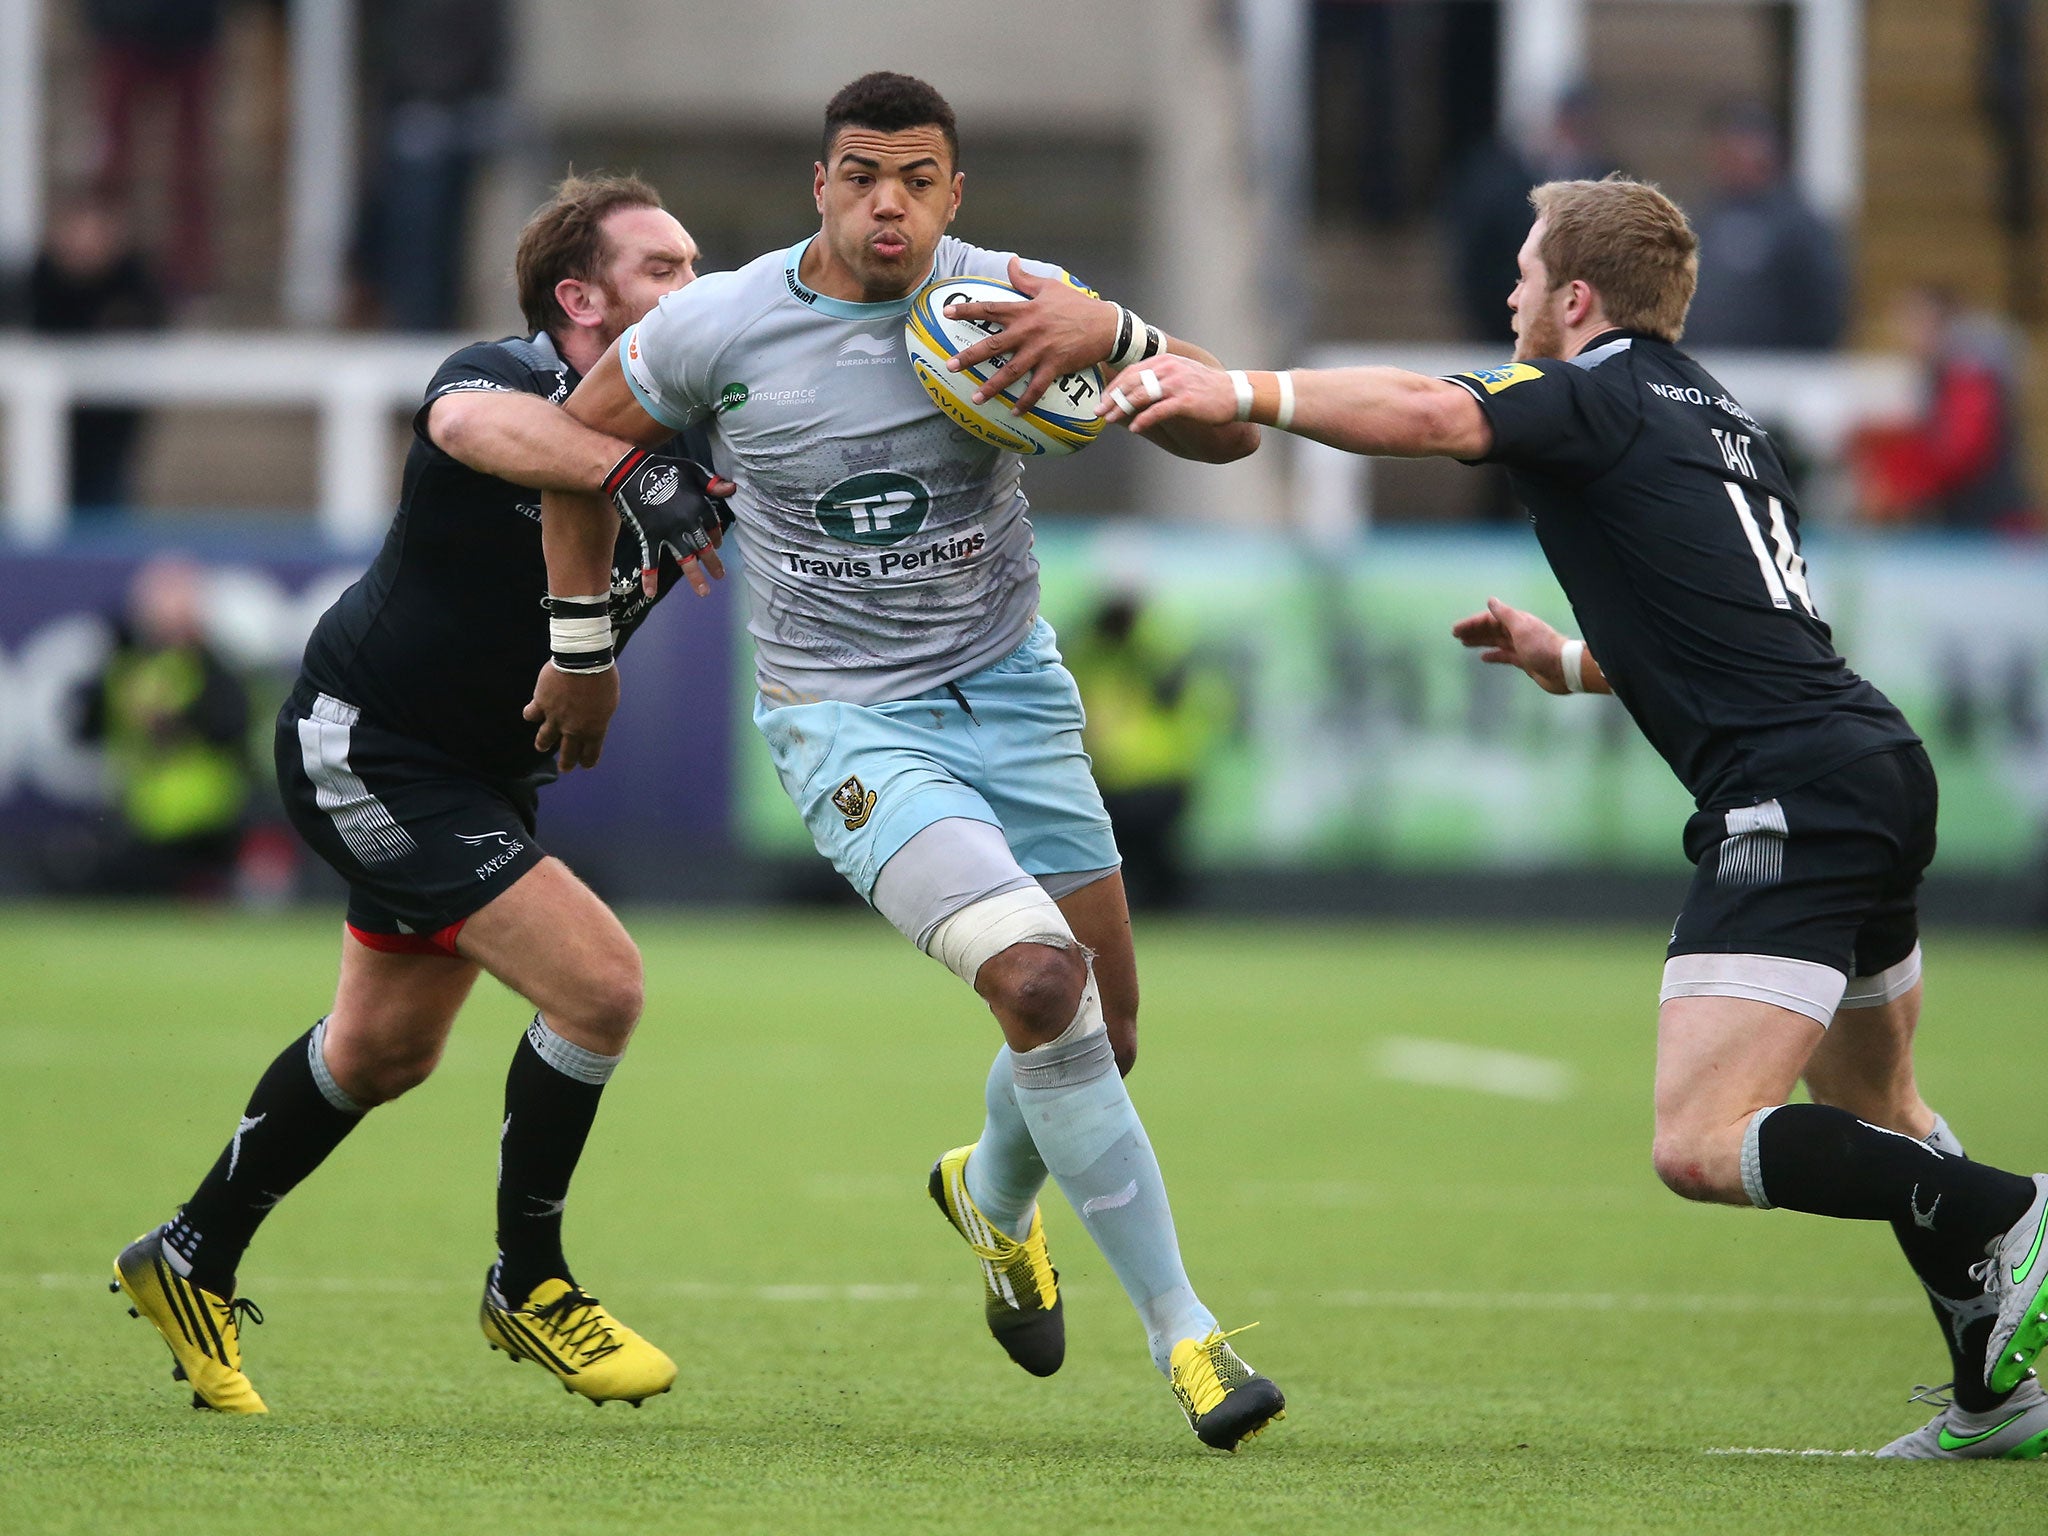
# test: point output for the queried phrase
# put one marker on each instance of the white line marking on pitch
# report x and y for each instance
(1447, 1064)
(1773, 1450)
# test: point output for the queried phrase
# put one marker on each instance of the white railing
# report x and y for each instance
(1818, 397)
(355, 384)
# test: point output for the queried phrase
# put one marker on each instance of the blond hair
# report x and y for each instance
(1627, 241)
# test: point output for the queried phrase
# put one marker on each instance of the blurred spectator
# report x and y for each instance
(90, 279)
(439, 68)
(174, 723)
(1771, 268)
(161, 51)
(1959, 464)
(1153, 715)
(1487, 211)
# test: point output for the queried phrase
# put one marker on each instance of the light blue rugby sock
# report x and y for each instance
(1088, 1132)
(1005, 1173)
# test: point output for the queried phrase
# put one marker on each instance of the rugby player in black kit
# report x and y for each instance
(406, 764)
(1667, 517)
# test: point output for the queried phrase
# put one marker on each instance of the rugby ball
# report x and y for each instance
(1063, 421)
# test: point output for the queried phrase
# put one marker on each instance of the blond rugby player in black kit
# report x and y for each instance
(1666, 515)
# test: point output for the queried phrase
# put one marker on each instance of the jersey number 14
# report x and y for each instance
(1777, 551)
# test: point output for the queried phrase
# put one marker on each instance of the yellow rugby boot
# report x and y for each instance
(568, 1331)
(202, 1329)
(1226, 1401)
(1020, 1288)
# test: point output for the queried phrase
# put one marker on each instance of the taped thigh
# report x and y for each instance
(946, 867)
(976, 934)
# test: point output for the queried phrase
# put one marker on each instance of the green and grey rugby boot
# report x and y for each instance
(2015, 1275)
(2016, 1430)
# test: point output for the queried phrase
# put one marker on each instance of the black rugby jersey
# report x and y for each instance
(442, 637)
(1665, 512)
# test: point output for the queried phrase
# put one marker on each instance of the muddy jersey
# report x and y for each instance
(886, 551)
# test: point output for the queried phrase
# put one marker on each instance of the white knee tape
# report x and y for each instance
(976, 934)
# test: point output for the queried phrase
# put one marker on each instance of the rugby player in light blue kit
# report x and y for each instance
(913, 700)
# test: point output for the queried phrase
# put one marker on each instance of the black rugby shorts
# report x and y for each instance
(1827, 874)
(423, 842)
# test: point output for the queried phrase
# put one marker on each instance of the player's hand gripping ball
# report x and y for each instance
(1063, 421)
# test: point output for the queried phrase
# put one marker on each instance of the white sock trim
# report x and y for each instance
(568, 1058)
(1080, 1054)
(323, 1079)
(1944, 1140)
(1887, 986)
(1752, 1160)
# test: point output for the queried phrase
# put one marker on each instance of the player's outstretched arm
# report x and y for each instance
(1509, 637)
(1060, 329)
(1362, 410)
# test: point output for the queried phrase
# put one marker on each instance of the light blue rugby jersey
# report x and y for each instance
(886, 551)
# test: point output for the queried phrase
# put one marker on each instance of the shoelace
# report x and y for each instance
(241, 1310)
(592, 1336)
(1218, 1336)
(1933, 1397)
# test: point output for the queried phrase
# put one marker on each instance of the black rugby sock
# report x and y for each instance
(1957, 1300)
(1811, 1157)
(297, 1115)
(1956, 1297)
(551, 1095)
(1942, 1209)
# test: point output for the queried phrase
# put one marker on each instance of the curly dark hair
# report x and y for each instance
(888, 103)
(565, 238)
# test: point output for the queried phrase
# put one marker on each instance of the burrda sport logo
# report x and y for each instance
(879, 507)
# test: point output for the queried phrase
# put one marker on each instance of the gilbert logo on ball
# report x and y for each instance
(1063, 421)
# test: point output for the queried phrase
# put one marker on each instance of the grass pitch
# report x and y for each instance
(1486, 1314)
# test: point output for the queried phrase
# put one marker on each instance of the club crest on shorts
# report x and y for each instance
(854, 801)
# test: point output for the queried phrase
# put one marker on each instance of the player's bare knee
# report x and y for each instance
(609, 1003)
(376, 1070)
(1034, 988)
(1683, 1165)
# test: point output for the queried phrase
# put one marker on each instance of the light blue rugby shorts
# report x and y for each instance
(870, 777)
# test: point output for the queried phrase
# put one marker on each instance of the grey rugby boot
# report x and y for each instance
(2016, 1430)
(2015, 1275)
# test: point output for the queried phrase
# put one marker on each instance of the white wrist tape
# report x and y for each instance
(1284, 417)
(580, 633)
(1242, 383)
(1136, 340)
(1573, 658)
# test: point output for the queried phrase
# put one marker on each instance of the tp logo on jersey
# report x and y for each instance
(1505, 376)
(879, 507)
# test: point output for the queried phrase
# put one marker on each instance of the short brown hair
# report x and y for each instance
(889, 103)
(565, 238)
(1629, 242)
